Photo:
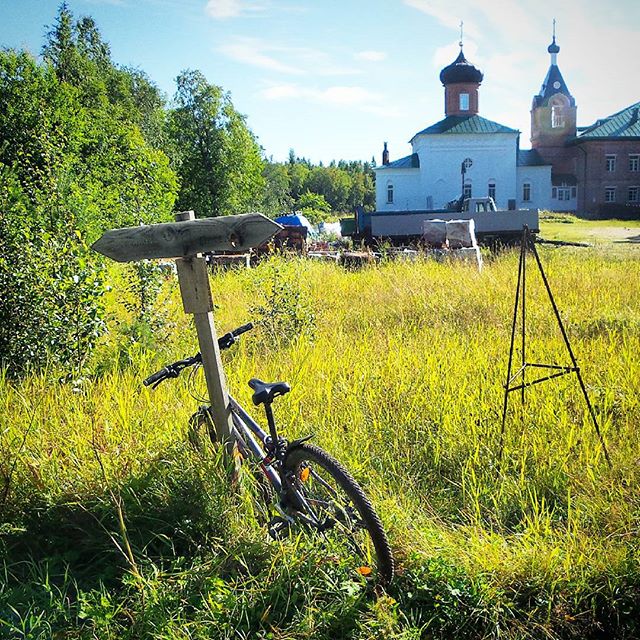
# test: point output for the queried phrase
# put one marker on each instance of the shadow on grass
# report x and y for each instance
(171, 510)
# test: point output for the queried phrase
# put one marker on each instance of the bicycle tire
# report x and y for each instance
(340, 518)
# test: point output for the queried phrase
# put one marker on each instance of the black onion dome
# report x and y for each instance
(460, 70)
(553, 47)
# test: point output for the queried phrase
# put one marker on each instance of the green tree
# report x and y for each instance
(298, 174)
(278, 191)
(216, 155)
(69, 168)
(314, 207)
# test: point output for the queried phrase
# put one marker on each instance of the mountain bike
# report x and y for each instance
(300, 485)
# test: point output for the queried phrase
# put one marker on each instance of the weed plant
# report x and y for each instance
(113, 527)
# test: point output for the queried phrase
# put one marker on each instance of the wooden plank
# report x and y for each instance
(186, 237)
(197, 300)
(194, 285)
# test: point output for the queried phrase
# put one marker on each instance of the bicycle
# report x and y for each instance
(301, 483)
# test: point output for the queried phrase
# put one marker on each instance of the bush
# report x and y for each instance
(50, 288)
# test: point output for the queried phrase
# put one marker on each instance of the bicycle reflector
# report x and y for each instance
(304, 474)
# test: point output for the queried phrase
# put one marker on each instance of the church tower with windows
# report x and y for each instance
(461, 80)
(553, 117)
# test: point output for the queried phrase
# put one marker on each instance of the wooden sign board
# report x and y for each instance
(188, 238)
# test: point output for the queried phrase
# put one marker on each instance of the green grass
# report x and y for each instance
(623, 234)
(113, 528)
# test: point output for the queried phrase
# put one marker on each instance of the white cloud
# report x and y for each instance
(445, 55)
(371, 56)
(223, 9)
(282, 92)
(253, 52)
(441, 10)
(283, 59)
(353, 97)
(349, 96)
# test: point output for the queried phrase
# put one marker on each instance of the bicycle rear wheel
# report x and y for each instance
(322, 490)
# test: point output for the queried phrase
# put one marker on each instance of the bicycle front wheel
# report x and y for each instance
(332, 503)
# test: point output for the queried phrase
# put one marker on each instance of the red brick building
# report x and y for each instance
(595, 169)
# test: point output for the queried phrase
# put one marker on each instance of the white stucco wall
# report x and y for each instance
(406, 189)
(438, 180)
(540, 180)
(494, 160)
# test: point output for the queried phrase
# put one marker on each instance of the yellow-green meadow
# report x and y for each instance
(114, 527)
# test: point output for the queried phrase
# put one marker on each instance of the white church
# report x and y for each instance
(463, 153)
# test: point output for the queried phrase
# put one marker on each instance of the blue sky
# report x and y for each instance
(334, 79)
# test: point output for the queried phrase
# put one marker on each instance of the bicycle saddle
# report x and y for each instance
(266, 392)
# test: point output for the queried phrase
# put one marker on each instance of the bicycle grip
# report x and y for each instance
(158, 376)
(243, 329)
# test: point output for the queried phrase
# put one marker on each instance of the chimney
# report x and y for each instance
(385, 155)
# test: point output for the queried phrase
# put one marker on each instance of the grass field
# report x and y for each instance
(606, 234)
(112, 527)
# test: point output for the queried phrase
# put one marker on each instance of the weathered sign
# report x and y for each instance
(186, 238)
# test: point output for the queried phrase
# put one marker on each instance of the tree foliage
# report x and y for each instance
(215, 154)
(87, 145)
(343, 185)
(75, 159)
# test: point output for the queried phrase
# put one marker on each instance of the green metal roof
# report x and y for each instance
(624, 124)
(408, 162)
(530, 158)
(465, 124)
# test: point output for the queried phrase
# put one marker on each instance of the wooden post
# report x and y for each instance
(185, 240)
(197, 300)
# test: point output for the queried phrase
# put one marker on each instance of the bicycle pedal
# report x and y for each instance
(279, 528)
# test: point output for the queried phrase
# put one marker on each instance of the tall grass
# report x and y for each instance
(399, 373)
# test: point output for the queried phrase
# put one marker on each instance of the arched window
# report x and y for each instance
(464, 102)
(558, 104)
(389, 193)
(466, 192)
(526, 192)
(557, 117)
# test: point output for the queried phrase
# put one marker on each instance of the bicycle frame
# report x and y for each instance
(246, 431)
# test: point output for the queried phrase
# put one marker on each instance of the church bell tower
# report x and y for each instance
(553, 111)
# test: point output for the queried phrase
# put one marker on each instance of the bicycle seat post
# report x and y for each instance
(273, 432)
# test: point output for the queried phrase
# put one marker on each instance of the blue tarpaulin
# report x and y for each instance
(294, 220)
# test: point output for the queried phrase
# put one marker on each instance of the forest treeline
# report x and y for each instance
(87, 145)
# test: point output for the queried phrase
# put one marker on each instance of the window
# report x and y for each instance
(610, 163)
(464, 102)
(610, 194)
(389, 194)
(554, 192)
(564, 193)
(466, 192)
(526, 192)
(491, 190)
(634, 162)
(557, 117)
(633, 194)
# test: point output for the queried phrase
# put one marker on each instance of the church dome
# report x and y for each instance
(553, 47)
(461, 70)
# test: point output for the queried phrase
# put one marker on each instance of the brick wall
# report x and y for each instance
(594, 177)
(452, 99)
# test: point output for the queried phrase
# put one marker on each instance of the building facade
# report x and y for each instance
(568, 168)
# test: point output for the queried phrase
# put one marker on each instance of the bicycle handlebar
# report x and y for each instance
(173, 370)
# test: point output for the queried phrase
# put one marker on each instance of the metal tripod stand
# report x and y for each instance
(517, 381)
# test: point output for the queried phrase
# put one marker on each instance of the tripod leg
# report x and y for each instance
(570, 350)
(511, 347)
